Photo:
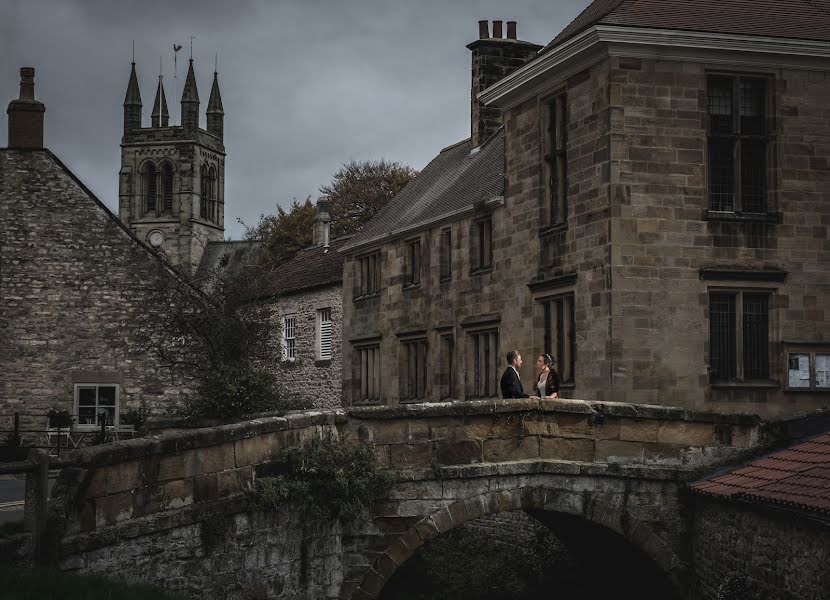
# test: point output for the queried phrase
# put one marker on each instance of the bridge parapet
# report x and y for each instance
(135, 494)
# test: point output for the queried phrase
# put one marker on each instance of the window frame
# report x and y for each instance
(740, 342)
(445, 255)
(554, 158)
(445, 369)
(738, 140)
(77, 387)
(563, 348)
(320, 330)
(368, 274)
(414, 363)
(366, 374)
(289, 356)
(167, 175)
(413, 263)
(481, 245)
(150, 190)
(477, 384)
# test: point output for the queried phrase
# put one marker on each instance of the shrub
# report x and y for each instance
(325, 479)
(237, 390)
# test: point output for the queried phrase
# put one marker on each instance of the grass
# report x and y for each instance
(45, 584)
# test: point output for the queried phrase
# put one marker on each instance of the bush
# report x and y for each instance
(325, 479)
(45, 584)
(237, 390)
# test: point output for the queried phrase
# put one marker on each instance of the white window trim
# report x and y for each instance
(75, 410)
(320, 354)
(285, 356)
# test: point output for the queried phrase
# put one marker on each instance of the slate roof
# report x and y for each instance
(452, 181)
(801, 19)
(311, 268)
(797, 477)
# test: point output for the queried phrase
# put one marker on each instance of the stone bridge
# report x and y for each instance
(172, 510)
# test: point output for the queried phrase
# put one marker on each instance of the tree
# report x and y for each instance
(285, 233)
(359, 190)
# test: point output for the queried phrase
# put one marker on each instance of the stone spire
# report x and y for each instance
(190, 100)
(215, 112)
(132, 104)
(160, 116)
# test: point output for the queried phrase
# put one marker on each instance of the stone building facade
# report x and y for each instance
(172, 178)
(661, 229)
(75, 286)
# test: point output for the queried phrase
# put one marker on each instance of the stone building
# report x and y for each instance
(75, 284)
(304, 297)
(656, 220)
(172, 179)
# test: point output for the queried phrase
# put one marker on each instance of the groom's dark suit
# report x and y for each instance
(511, 385)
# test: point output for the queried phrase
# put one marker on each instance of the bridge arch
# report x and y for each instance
(591, 507)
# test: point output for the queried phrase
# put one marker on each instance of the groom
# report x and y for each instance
(511, 383)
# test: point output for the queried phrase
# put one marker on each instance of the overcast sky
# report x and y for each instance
(306, 84)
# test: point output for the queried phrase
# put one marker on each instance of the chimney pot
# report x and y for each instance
(497, 29)
(511, 30)
(483, 30)
(26, 114)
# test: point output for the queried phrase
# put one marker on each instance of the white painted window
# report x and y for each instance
(324, 349)
(289, 334)
(96, 402)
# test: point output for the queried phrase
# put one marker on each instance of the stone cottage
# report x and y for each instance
(659, 224)
(75, 286)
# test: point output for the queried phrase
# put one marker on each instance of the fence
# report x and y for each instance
(56, 432)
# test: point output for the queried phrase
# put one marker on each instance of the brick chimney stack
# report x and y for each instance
(26, 114)
(494, 57)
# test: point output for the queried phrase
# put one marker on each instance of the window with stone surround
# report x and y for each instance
(807, 367)
(167, 187)
(412, 270)
(414, 371)
(555, 143)
(483, 376)
(324, 347)
(366, 373)
(95, 402)
(559, 338)
(481, 251)
(368, 274)
(738, 335)
(150, 189)
(738, 140)
(445, 255)
(445, 369)
(289, 337)
(204, 204)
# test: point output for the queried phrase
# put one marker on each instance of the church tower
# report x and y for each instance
(171, 187)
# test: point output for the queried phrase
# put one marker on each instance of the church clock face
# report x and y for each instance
(156, 239)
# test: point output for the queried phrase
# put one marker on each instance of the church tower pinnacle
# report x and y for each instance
(132, 104)
(172, 181)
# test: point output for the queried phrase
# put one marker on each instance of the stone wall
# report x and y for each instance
(76, 291)
(318, 382)
(778, 554)
(663, 235)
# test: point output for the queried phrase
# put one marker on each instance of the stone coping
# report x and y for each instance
(176, 441)
(560, 405)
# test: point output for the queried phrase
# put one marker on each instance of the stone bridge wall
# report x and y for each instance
(171, 509)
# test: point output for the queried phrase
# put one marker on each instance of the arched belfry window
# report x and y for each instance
(150, 189)
(214, 216)
(167, 187)
(204, 205)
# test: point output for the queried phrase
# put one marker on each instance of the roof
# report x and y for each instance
(456, 179)
(800, 19)
(313, 267)
(798, 477)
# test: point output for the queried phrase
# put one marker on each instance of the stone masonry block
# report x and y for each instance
(458, 453)
(407, 431)
(177, 494)
(567, 449)
(458, 512)
(408, 456)
(427, 529)
(257, 449)
(122, 477)
(639, 431)
(216, 458)
(573, 425)
(112, 509)
(399, 552)
(619, 451)
(517, 448)
(234, 481)
(443, 520)
(686, 434)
